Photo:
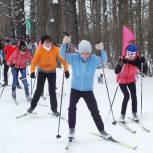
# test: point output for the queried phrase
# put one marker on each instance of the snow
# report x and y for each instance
(36, 133)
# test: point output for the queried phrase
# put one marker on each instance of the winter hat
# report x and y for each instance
(22, 46)
(131, 48)
(84, 46)
(13, 42)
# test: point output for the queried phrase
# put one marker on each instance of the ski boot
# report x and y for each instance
(71, 133)
(28, 98)
(5, 84)
(122, 118)
(135, 117)
(30, 110)
(105, 135)
(56, 113)
(13, 94)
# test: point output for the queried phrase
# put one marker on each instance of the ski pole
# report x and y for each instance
(112, 102)
(33, 84)
(31, 89)
(2, 92)
(141, 86)
(114, 122)
(0, 73)
(35, 79)
(4, 87)
(61, 101)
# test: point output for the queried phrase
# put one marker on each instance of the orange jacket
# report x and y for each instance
(47, 61)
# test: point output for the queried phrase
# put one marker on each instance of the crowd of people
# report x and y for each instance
(18, 53)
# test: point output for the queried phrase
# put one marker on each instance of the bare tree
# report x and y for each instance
(19, 16)
(150, 31)
(83, 21)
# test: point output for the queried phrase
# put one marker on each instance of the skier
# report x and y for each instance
(126, 71)
(30, 46)
(45, 58)
(8, 50)
(84, 65)
(18, 61)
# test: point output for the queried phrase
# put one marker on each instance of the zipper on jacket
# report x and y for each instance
(20, 62)
(83, 76)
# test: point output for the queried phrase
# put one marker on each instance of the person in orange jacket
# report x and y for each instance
(45, 58)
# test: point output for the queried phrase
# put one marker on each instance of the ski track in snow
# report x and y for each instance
(36, 133)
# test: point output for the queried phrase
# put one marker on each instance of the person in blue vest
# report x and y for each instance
(84, 65)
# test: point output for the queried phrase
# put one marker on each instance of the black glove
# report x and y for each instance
(142, 60)
(12, 65)
(32, 75)
(67, 74)
(124, 61)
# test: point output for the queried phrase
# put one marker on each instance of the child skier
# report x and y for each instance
(18, 61)
(84, 65)
(126, 71)
(45, 58)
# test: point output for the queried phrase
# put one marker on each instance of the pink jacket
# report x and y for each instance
(19, 60)
(127, 74)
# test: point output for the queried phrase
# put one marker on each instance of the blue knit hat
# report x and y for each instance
(131, 48)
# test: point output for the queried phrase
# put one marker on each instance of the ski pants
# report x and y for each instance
(51, 77)
(90, 100)
(15, 73)
(132, 88)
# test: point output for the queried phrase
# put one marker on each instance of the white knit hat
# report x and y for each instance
(84, 46)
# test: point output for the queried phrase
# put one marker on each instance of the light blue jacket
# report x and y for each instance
(82, 71)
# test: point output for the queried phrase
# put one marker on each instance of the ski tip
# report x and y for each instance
(66, 148)
(114, 122)
(58, 136)
(134, 148)
(134, 132)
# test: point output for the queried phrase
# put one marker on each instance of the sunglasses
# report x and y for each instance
(130, 54)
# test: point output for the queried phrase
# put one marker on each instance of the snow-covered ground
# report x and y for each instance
(37, 133)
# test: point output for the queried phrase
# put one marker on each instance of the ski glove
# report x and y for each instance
(32, 75)
(67, 74)
(12, 65)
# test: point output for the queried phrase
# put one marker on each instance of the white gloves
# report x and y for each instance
(99, 46)
(66, 39)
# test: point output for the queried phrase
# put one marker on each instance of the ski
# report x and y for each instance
(23, 115)
(140, 124)
(111, 139)
(1, 86)
(69, 143)
(124, 124)
(58, 116)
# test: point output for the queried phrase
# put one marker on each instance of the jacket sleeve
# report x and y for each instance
(35, 60)
(119, 67)
(68, 56)
(62, 61)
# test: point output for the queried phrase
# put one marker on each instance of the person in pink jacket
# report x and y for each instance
(126, 71)
(18, 61)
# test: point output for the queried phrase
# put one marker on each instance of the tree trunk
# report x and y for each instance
(33, 19)
(150, 31)
(19, 17)
(83, 21)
